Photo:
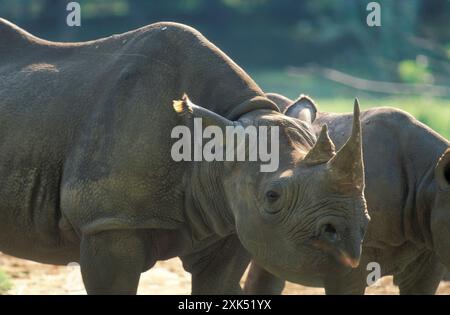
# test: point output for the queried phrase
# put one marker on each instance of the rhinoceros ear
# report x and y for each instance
(347, 167)
(323, 151)
(257, 102)
(188, 111)
(442, 171)
(282, 101)
(304, 108)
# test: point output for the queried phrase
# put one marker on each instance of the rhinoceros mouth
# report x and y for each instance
(340, 255)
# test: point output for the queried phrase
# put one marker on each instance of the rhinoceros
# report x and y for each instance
(87, 172)
(407, 169)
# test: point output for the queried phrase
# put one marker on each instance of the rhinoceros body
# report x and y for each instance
(87, 173)
(85, 139)
(96, 118)
(402, 195)
(407, 199)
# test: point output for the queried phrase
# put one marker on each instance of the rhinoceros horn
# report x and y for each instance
(347, 166)
(323, 151)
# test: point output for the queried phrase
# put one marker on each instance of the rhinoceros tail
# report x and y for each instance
(186, 109)
(183, 106)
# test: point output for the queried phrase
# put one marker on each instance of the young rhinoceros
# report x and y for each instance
(408, 197)
(87, 172)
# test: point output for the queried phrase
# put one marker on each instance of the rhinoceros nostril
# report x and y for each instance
(329, 233)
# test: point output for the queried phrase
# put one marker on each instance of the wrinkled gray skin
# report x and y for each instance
(408, 199)
(87, 174)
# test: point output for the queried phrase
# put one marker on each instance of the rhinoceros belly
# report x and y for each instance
(31, 225)
(30, 218)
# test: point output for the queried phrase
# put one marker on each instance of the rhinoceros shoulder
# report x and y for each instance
(387, 114)
(389, 122)
(400, 122)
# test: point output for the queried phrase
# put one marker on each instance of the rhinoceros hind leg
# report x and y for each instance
(421, 276)
(219, 268)
(261, 282)
(112, 262)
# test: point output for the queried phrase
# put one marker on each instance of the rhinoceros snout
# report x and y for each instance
(334, 238)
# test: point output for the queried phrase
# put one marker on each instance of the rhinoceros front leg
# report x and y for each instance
(219, 268)
(353, 283)
(422, 276)
(112, 261)
(261, 282)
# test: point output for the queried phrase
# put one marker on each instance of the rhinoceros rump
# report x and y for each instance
(408, 198)
(87, 174)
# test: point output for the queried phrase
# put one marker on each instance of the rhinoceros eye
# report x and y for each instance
(272, 196)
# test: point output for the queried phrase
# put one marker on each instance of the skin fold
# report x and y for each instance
(87, 173)
(408, 198)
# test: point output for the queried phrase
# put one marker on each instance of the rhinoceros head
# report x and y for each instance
(308, 216)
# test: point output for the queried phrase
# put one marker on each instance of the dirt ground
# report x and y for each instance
(166, 277)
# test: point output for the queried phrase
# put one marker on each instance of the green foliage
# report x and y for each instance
(447, 50)
(292, 86)
(105, 8)
(332, 97)
(244, 6)
(5, 284)
(434, 113)
(263, 33)
(411, 71)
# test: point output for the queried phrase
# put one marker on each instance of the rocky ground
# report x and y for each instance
(166, 277)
